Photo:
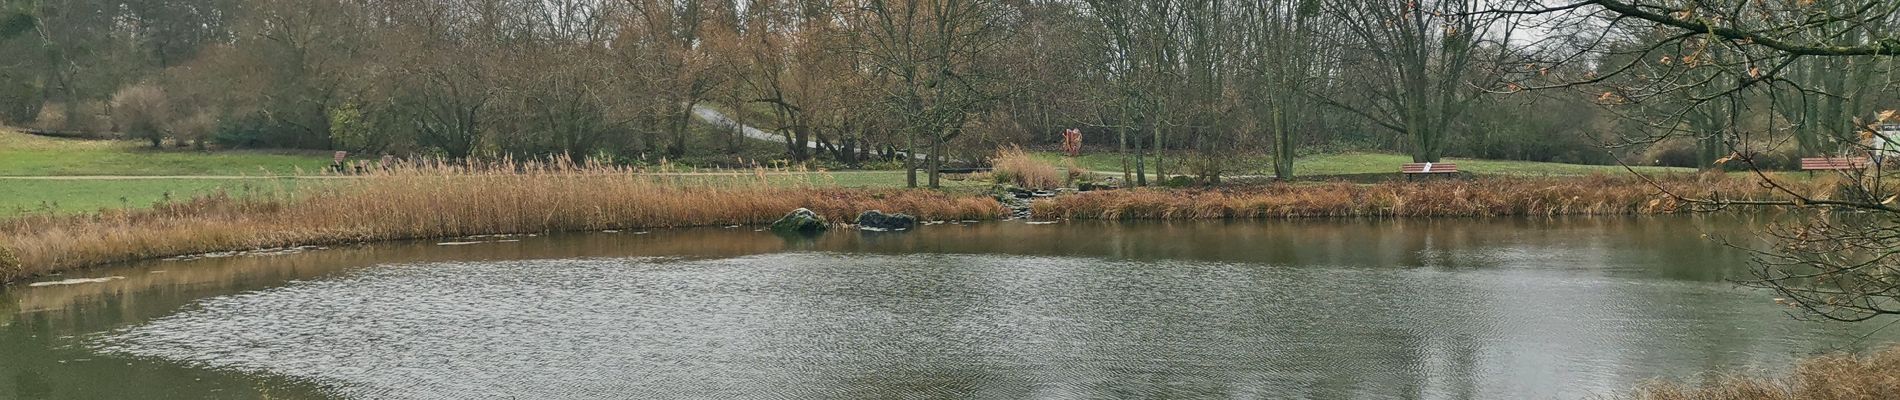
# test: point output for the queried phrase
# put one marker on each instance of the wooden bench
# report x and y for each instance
(1426, 169)
(1832, 163)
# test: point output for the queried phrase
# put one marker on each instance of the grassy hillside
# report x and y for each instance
(28, 155)
(177, 174)
(23, 155)
(18, 196)
(1365, 163)
(95, 174)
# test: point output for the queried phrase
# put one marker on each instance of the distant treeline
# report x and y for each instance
(953, 79)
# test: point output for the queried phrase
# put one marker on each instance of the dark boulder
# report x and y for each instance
(802, 220)
(1017, 192)
(875, 220)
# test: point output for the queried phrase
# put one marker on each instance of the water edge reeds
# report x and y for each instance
(1482, 197)
(1841, 376)
(439, 200)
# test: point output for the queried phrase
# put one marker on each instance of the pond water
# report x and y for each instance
(1434, 309)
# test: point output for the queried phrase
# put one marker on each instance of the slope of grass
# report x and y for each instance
(28, 155)
(1368, 163)
(844, 179)
(22, 196)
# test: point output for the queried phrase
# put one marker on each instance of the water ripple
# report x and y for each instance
(840, 325)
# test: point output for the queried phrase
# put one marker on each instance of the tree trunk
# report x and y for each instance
(797, 143)
(848, 152)
(1141, 170)
(1161, 176)
(1282, 146)
(1121, 131)
(910, 160)
(738, 124)
(682, 120)
(936, 158)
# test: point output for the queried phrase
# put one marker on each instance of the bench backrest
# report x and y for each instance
(1428, 168)
(1833, 163)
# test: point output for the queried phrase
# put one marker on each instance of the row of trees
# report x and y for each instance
(1172, 83)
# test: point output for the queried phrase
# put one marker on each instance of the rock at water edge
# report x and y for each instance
(875, 220)
(802, 220)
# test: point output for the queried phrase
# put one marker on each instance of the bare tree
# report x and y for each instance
(1728, 67)
(929, 54)
(1421, 64)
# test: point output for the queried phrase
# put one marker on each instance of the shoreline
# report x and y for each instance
(418, 205)
(6, 262)
(1811, 375)
(1483, 197)
(434, 204)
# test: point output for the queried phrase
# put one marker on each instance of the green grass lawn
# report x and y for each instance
(70, 196)
(1367, 163)
(67, 196)
(852, 179)
(887, 179)
(23, 155)
(28, 155)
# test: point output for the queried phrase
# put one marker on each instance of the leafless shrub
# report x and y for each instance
(143, 112)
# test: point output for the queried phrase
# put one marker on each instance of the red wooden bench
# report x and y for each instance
(1832, 163)
(1426, 169)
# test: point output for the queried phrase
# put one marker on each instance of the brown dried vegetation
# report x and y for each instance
(1593, 195)
(444, 201)
(1837, 376)
(1014, 166)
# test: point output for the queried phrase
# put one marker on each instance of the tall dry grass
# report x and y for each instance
(1593, 195)
(1014, 166)
(443, 200)
(1830, 377)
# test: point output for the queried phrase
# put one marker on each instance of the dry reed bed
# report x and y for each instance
(439, 202)
(1830, 377)
(1593, 195)
(1013, 166)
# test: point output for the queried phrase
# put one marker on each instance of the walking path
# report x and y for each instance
(719, 119)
